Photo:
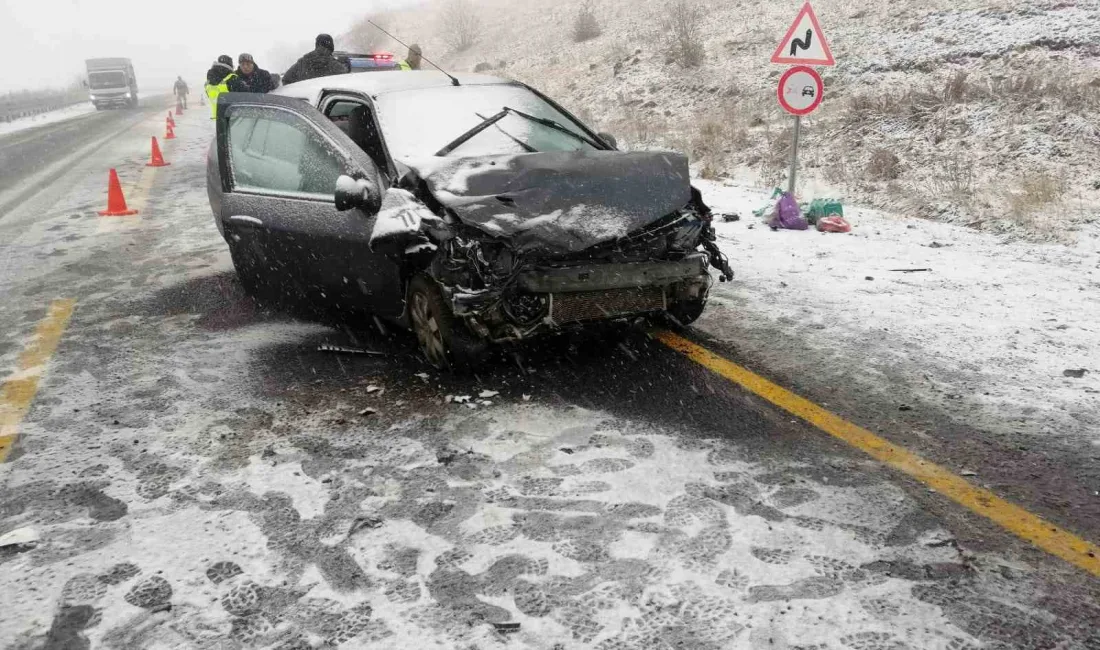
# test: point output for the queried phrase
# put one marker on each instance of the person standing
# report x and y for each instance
(318, 63)
(216, 78)
(412, 61)
(250, 78)
(181, 91)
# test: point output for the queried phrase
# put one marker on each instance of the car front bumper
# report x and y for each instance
(111, 99)
(546, 300)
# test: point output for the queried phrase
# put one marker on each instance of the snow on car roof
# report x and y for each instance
(378, 83)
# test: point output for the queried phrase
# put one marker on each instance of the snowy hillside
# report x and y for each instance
(980, 113)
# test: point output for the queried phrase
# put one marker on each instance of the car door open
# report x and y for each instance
(280, 161)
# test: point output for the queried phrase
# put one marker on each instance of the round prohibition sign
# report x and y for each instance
(801, 90)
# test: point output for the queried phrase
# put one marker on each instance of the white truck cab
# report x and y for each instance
(112, 83)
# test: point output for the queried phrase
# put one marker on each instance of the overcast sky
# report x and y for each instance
(44, 43)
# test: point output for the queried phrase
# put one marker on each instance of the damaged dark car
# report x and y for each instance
(474, 211)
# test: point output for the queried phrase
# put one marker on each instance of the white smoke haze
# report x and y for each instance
(43, 43)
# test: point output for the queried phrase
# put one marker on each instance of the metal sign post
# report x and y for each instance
(794, 153)
(800, 93)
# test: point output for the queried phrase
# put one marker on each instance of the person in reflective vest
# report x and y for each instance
(217, 81)
(411, 62)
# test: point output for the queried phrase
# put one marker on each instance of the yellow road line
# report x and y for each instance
(137, 198)
(1020, 522)
(137, 194)
(141, 189)
(17, 393)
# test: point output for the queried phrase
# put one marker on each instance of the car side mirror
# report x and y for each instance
(609, 139)
(359, 193)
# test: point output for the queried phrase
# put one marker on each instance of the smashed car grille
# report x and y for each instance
(600, 305)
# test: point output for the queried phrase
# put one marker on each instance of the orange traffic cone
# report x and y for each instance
(158, 160)
(116, 202)
(170, 133)
(170, 120)
(179, 107)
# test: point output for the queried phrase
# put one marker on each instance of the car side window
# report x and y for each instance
(356, 119)
(273, 150)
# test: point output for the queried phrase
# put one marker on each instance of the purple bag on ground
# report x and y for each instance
(788, 215)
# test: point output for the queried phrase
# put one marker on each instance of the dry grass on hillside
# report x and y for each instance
(965, 110)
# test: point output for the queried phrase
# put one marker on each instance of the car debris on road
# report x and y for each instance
(336, 349)
(24, 538)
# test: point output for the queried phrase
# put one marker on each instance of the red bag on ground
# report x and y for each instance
(833, 224)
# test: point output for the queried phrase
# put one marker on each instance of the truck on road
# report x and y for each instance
(112, 83)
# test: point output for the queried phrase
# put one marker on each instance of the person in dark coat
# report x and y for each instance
(318, 63)
(180, 90)
(220, 70)
(250, 78)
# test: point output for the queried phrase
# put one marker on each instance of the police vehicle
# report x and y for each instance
(368, 62)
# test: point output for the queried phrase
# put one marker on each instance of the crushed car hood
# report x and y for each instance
(559, 202)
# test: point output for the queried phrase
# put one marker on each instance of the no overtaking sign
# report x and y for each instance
(801, 90)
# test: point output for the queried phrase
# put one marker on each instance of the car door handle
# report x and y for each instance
(252, 221)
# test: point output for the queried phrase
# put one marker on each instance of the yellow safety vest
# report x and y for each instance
(213, 91)
(404, 65)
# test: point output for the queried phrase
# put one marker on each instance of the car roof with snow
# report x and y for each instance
(379, 83)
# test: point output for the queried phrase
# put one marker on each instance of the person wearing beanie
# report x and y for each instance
(318, 63)
(219, 70)
(216, 81)
(412, 62)
(250, 78)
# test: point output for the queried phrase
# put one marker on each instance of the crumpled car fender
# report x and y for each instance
(399, 223)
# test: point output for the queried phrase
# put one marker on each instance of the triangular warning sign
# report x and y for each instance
(805, 43)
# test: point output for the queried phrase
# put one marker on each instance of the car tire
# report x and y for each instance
(686, 312)
(444, 341)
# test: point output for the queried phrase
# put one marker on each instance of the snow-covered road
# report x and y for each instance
(197, 474)
(42, 119)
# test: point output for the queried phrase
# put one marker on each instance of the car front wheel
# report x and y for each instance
(444, 341)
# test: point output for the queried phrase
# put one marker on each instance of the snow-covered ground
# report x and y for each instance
(42, 119)
(970, 111)
(216, 497)
(198, 475)
(986, 333)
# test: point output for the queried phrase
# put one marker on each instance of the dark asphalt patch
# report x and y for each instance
(619, 371)
(67, 630)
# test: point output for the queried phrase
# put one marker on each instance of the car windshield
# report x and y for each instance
(110, 79)
(418, 123)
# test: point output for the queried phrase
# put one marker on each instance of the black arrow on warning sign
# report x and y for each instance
(802, 43)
